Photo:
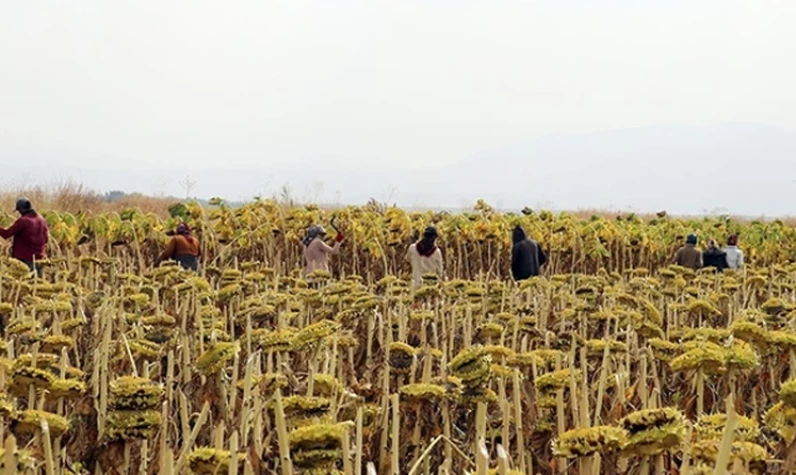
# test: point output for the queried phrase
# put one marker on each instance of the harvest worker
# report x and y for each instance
(688, 255)
(734, 255)
(425, 257)
(183, 248)
(714, 257)
(527, 257)
(316, 252)
(30, 235)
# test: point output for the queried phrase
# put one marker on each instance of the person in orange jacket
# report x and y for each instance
(183, 248)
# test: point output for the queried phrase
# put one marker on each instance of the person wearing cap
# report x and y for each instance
(734, 255)
(30, 235)
(317, 252)
(689, 256)
(527, 257)
(425, 257)
(183, 248)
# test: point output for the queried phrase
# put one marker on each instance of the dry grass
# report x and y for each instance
(74, 198)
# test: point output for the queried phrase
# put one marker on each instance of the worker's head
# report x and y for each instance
(691, 239)
(732, 240)
(518, 235)
(23, 206)
(312, 233)
(712, 244)
(430, 234)
(183, 229)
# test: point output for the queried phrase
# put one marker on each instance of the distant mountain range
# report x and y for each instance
(740, 169)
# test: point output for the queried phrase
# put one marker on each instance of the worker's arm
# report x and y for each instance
(542, 256)
(333, 250)
(439, 262)
(169, 251)
(15, 228)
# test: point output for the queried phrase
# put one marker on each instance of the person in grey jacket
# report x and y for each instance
(527, 257)
(734, 255)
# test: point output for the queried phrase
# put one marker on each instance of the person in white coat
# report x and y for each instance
(734, 255)
(425, 257)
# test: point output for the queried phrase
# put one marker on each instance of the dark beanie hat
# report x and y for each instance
(691, 239)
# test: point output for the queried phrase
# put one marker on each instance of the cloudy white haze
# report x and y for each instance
(644, 105)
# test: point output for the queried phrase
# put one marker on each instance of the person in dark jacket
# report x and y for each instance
(527, 257)
(715, 257)
(689, 256)
(30, 235)
(183, 248)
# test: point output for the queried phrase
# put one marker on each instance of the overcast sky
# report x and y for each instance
(405, 84)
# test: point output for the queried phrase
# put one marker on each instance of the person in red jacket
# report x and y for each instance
(30, 235)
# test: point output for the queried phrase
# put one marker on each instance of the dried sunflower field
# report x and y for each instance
(613, 362)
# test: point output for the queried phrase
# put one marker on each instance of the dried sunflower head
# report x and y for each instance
(588, 441)
(712, 427)
(278, 340)
(25, 376)
(67, 388)
(301, 410)
(132, 425)
(55, 343)
(498, 351)
(741, 356)
(653, 431)
(597, 347)
(133, 394)
(556, 380)
(210, 461)
(318, 437)
(401, 357)
(489, 330)
(29, 422)
(782, 420)
(663, 350)
(782, 339)
(314, 333)
(476, 394)
(145, 349)
(787, 393)
(217, 358)
(327, 385)
(422, 392)
(708, 356)
(472, 365)
(525, 360)
(751, 332)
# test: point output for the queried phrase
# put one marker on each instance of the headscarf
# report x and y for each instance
(518, 235)
(313, 232)
(426, 247)
(184, 230)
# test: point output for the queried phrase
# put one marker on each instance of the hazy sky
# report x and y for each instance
(401, 84)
